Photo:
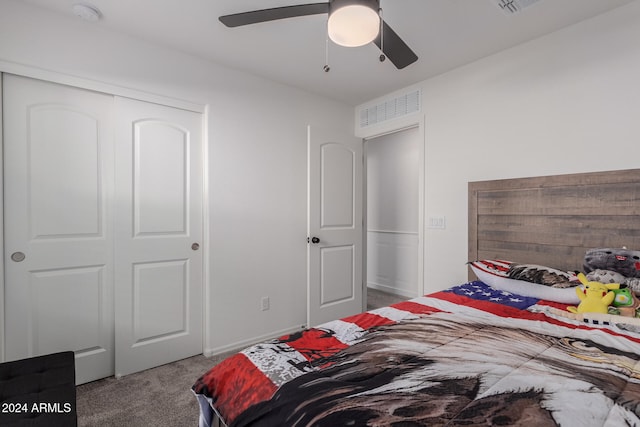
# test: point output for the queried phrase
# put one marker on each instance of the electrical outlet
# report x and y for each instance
(264, 303)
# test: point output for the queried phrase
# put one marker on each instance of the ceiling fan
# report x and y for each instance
(351, 23)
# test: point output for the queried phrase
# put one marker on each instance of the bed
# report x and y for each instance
(478, 353)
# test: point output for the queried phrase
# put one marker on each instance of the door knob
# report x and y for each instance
(195, 246)
(18, 256)
(314, 240)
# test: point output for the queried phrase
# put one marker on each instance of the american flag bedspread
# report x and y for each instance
(469, 355)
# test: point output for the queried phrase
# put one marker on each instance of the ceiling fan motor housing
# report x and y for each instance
(336, 4)
(353, 23)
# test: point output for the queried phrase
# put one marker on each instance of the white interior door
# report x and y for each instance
(58, 176)
(158, 290)
(334, 282)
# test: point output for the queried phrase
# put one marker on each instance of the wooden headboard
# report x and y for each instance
(554, 220)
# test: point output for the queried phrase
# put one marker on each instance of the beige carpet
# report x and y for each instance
(157, 397)
(160, 396)
(377, 299)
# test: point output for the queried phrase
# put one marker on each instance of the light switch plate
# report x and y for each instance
(437, 222)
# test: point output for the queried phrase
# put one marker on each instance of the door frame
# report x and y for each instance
(8, 67)
(383, 129)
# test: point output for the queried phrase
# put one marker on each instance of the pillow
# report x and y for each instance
(634, 284)
(605, 276)
(495, 273)
(541, 275)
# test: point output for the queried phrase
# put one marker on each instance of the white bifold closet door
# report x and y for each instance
(158, 291)
(59, 267)
(103, 202)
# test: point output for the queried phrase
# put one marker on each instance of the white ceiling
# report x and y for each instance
(445, 34)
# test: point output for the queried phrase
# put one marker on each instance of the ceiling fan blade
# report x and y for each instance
(394, 48)
(264, 15)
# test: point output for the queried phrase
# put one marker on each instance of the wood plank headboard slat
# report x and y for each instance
(554, 220)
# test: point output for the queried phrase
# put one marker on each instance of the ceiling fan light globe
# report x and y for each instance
(353, 25)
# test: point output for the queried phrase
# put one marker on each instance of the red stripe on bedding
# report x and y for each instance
(415, 308)
(315, 344)
(237, 383)
(544, 318)
(585, 326)
(500, 309)
(488, 306)
(506, 311)
(558, 305)
(497, 267)
(368, 320)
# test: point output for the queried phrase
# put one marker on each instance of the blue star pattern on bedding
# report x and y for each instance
(482, 292)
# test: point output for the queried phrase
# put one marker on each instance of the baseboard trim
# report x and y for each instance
(391, 290)
(240, 345)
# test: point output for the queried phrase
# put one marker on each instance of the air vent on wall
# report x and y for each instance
(390, 109)
(511, 7)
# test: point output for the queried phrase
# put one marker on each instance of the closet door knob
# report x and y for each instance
(195, 246)
(18, 256)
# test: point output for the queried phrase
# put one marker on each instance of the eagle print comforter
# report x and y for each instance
(470, 355)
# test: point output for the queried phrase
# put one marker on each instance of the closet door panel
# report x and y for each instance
(58, 172)
(161, 180)
(82, 322)
(64, 149)
(158, 292)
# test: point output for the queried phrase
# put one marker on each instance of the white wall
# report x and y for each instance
(565, 103)
(257, 158)
(392, 212)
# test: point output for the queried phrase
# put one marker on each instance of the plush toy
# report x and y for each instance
(594, 297)
(621, 260)
(625, 303)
